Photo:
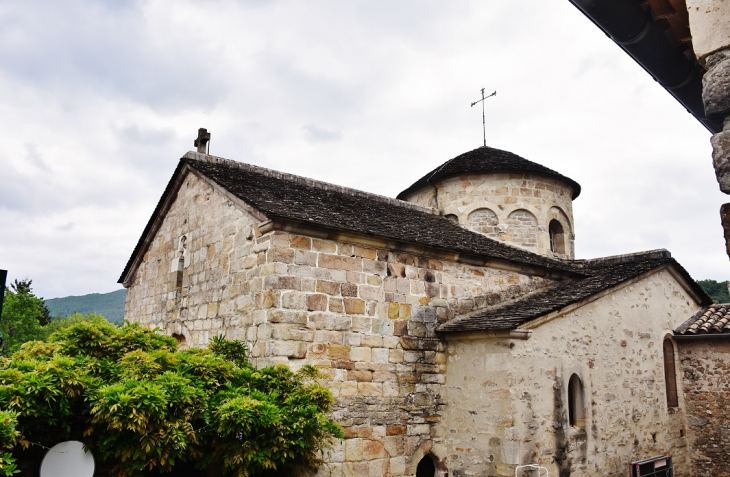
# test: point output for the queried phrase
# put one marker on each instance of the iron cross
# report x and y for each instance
(484, 122)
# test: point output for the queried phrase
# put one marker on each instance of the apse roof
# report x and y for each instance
(484, 160)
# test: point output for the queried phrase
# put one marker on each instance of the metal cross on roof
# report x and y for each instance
(484, 122)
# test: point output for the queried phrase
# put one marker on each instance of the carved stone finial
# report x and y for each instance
(202, 142)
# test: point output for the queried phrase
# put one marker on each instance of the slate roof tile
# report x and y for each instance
(603, 274)
(295, 198)
(290, 197)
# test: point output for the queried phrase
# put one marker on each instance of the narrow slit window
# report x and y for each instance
(576, 406)
(670, 374)
(179, 274)
(557, 237)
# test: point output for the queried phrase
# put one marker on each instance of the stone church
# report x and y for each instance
(461, 335)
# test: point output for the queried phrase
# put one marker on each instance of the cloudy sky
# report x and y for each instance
(98, 100)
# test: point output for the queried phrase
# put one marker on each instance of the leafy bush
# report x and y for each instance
(60, 323)
(139, 404)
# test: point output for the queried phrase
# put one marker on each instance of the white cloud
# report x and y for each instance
(101, 99)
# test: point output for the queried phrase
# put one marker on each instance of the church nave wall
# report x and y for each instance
(508, 401)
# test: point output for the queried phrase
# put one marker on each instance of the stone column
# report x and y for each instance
(709, 22)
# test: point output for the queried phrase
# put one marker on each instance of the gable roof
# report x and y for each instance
(293, 198)
(713, 320)
(602, 274)
(488, 159)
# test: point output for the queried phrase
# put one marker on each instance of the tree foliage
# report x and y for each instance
(23, 287)
(718, 291)
(20, 319)
(139, 404)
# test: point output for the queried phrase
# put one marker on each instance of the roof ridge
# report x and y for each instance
(327, 186)
(624, 258)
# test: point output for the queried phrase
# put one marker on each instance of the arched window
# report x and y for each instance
(576, 405)
(557, 237)
(426, 467)
(181, 341)
(670, 374)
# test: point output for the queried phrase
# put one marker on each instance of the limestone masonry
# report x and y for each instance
(457, 329)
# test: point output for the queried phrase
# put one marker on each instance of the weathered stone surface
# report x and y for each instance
(725, 219)
(317, 302)
(708, 22)
(354, 306)
(509, 398)
(338, 262)
(716, 84)
(706, 382)
(721, 159)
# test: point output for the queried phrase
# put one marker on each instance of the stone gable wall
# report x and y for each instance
(220, 269)
(365, 315)
(706, 382)
(504, 194)
(507, 400)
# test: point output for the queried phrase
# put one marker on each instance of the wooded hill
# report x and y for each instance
(109, 305)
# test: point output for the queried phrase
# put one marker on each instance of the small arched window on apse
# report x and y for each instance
(670, 374)
(557, 237)
(426, 467)
(576, 402)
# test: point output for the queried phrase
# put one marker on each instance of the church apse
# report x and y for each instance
(502, 196)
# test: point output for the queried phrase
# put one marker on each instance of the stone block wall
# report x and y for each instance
(498, 204)
(507, 400)
(366, 315)
(706, 382)
(218, 275)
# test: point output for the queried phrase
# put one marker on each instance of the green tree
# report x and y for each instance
(23, 287)
(717, 290)
(141, 405)
(21, 310)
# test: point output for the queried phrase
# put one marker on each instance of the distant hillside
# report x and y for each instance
(109, 305)
(718, 291)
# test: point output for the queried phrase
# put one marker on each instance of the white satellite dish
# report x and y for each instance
(67, 459)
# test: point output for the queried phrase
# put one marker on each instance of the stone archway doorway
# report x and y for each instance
(426, 467)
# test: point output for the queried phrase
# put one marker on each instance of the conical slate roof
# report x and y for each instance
(488, 159)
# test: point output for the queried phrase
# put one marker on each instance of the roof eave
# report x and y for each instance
(677, 272)
(423, 182)
(154, 223)
(376, 241)
(163, 206)
(649, 45)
